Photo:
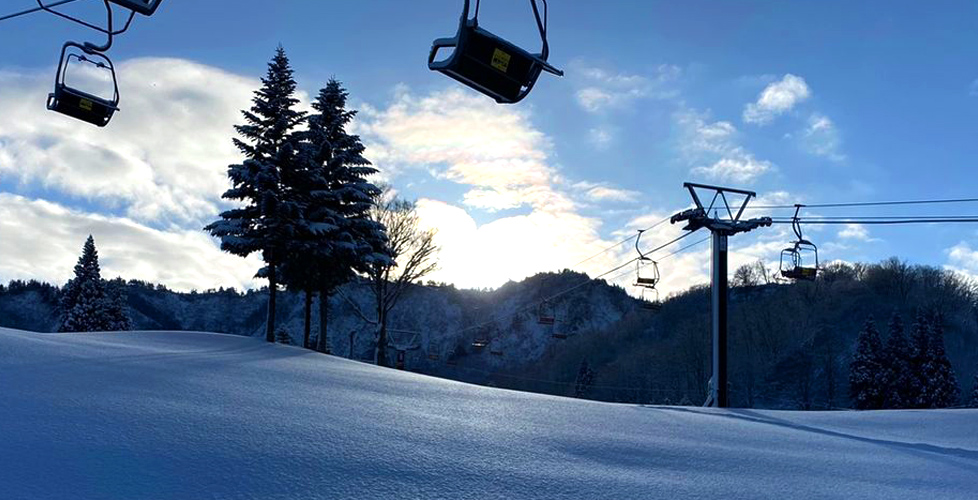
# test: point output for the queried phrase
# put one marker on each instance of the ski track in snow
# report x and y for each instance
(186, 415)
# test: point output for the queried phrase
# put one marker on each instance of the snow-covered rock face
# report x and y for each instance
(192, 415)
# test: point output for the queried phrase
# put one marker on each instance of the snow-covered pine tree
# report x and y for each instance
(283, 337)
(944, 383)
(866, 369)
(921, 391)
(266, 222)
(117, 313)
(585, 379)
(338, 237)
(82, 303)
(897, 379)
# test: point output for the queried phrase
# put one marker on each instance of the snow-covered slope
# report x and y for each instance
(196, 415)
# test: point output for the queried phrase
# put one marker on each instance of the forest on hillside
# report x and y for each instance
(790, 344)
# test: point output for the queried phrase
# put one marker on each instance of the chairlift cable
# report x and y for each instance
(622, 242)
(34, 9)
(867, 203)
(892, 221)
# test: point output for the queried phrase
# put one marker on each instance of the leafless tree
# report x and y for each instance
(413, 251)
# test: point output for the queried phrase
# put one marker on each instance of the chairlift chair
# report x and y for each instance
(545, 313)
(794, 263)
(647, 280)
(480, 343)
(490, 64)
(799, 261)
(77, 103)
(650, 299)
(495, 349)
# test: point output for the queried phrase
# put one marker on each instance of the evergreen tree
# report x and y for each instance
(938, 370)
(866, 369)
(585, 379)
(898, 380)
(283, 337)
(920, 389)
(338, 238)
(267, 221)
(974, 392)
(87, 303)
(117, 313)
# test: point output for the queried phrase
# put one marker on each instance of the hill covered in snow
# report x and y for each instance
(790, 344)
(195, 415)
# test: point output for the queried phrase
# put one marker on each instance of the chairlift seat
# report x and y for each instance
(559, 336)
(490, 64)
(79, 104)
(144, 7)
(433, 356)
(651, 305)
(640, 281)
(546, 320)
(800, 273)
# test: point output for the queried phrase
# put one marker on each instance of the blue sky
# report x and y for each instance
(800, 101)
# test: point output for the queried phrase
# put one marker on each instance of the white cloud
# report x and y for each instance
(600, 192)
(42, 240)
(776, 99)
(504, 162)
(162, 159)
(963, 259)
(855, 232)
(603, 90)
(744, 169)
(600, 137)
(713, 150)
(822, 138)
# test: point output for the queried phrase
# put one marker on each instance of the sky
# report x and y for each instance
(802, 102)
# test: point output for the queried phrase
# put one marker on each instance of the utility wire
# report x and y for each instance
(34, 9)
(866, 203)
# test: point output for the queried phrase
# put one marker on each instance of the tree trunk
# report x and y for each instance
(270, 322)
(322, 345)
(381, 338)
(308, 319)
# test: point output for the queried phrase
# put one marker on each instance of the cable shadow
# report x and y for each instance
(940, 453)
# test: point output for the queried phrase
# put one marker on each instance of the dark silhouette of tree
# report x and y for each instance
(898, 381)
(267, 221)
(413, 252)
(338, 238)
(585, 379)
(866, 369)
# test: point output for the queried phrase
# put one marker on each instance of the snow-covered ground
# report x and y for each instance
(204, 416)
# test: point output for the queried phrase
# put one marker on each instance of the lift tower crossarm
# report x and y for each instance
(722, 224)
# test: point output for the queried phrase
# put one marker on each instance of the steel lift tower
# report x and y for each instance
(719, 218)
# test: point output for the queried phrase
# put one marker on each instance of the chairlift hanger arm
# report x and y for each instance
(107, 31)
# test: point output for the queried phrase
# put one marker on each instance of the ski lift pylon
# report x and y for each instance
(79, 104)
(490, 64)
(799, 261)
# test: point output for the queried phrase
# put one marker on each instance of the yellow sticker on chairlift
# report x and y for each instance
(500, 60)
(85, 104)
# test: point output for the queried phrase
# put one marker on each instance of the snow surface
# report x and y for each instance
(206, 416)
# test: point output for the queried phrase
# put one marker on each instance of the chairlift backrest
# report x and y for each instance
(77, 103)
(144, 7)
(490, 64)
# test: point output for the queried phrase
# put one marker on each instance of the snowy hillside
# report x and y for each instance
(196, 415)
